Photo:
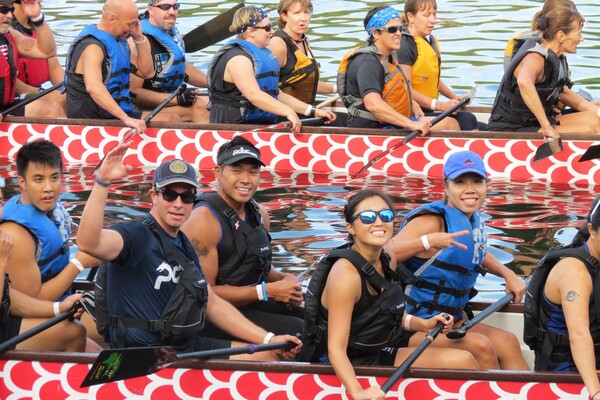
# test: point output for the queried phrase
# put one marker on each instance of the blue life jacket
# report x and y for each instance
(169, 67)
(119, 65)
(266, 70)
(52, 237)
(445, 282)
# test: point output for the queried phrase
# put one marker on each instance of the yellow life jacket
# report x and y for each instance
(427, 68)
(515, 43)
(396, 91)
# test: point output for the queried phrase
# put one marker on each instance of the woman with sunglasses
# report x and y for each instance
(562, 309)
(443, 248)
(420, 58)
(243, 78)
(299, 75)
(364, 322)
(372, 84)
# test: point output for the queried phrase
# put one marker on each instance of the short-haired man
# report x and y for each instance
(150, 260)
(229, 232)
(170, 67)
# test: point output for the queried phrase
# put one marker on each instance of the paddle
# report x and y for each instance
(118, 364)
(429, 338)
(414, 134)
(210, 32)
(147, 119)
(31, 99)
(328, 101)
(548, 148)
(39, 329)
(591, 153)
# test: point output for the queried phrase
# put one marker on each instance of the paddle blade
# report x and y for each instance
(592, 153)
(547, 149)
(211, 32)
(118, 364)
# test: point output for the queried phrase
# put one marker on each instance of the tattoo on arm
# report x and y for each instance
(200, 251)
(572, 296)
(28, 44)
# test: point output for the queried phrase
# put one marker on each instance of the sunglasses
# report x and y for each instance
(171, 195)
(167, 7)
(6, 9)
(391, 29)
(267, 28)
(369, 216)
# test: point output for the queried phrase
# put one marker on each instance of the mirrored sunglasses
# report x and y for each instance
(369, 216)
(167, 7)
(171, 195)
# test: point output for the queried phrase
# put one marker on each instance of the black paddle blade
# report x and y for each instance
(592, 153)
(118, 364)
(547, 149)
(211, 32)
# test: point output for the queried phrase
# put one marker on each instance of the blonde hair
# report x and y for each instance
(285, 5)
(242, 19)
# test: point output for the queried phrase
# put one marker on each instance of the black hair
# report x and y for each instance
(40, 152)
(354, 200)
(593, 218)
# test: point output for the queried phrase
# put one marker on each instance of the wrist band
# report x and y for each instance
(38, 21)
(433, 102)
(407, 322)
(425, 242)
(102, 183)
(598, 114)
(140, 41)
(264, 291)
(268, 337)
(309, 110)
(334, 89)
(77, 264)
(56, 307)
(259, 292)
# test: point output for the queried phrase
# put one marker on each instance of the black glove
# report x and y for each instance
(187, 98)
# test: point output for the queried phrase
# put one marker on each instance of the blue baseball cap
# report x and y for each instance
(174, 171)
(463, 162)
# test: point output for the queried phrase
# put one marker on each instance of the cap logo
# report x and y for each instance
(242, 150)
(468, 162)
(178, 167)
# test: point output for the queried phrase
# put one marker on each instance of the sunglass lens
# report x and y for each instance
(386, 215)
(171, 195)
(367, 217)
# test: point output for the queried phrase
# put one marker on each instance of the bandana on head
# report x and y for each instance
(253, 21)
(380, 18)
(152, 2)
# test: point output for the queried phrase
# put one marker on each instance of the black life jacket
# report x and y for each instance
(5, 304)
(370, 331)
(541, 341)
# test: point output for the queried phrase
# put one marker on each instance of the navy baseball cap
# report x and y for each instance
(462, 162)
(175, 171)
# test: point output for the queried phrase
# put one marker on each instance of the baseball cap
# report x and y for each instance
(175, 171)
(7, 2)
(462, 162)
(238, 153)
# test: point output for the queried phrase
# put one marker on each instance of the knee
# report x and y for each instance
(73, 335)
(55, 109)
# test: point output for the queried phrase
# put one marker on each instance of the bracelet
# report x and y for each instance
(38, 21)
(334, 89)
(56, 307)
(264, 291)
(407, 322)
(102, 183)
(77, 264)
(309, 111)
(598, 114)
(259, 292)
(425, 242)
(433, 103)
(140, 41)
(268, 337)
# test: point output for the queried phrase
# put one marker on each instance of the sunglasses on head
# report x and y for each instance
(267, 28)
(369, 216)
(167, 7)
(7, 9)
(391, 29)
(171, 195)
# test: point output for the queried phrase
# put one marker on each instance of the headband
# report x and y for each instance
(253, 21)
(380, 18)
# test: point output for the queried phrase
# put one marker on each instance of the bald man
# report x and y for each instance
(98, 66)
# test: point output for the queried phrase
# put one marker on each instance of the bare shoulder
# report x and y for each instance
(201, 223)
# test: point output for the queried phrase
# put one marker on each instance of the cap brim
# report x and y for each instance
(241, 157)
(463, 171)
(168, 182)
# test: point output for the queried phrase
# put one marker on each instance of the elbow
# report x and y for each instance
(84, 245)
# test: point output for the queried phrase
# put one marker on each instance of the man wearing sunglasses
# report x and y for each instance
(170, 67)
(149, 258)
(13, 45)
(229, 232)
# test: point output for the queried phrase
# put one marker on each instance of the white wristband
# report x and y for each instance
(140, 41)
(407, 322)
(38, 18)
(56, 306)
(433, 102)
(268, 337)
(259, 292)
(308, 110)
(598, 112)
(334, 89)
(77, 264)
(425, 242)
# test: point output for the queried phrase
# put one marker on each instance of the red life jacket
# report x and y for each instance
(8, 71)
(33, 72)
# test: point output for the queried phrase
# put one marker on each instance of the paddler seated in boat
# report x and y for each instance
(421, 60)
(15, 305)
(538, 78)
(562, 309)
(14, 45)
(156, 291)
(363, 309)
(372, 84)
(442, 249)
(98, 67)
(299, 74)
(170, 67)
(33, 73)
(39, 227)
(243, 78)
(230, 234)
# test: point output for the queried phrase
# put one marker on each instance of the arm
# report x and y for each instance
(141, 53)
(57, 72)
(26, 306)
(43, 46)
(22, 87)
(279, 48)
(575, 101)
(196, 77)
(513, 283)
(145, 97)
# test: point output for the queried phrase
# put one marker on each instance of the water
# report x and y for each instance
(472, 33)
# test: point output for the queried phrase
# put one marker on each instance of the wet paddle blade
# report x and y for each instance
(211, 32)
(547, 149)
(592, 153)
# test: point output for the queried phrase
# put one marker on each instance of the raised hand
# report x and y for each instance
(113, 168)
